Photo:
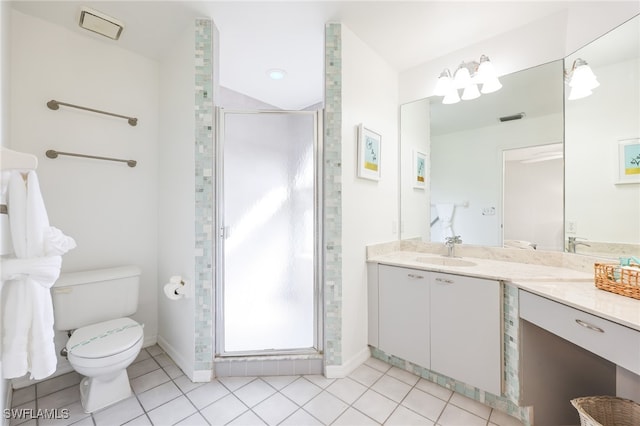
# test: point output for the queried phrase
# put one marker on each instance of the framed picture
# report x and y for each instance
(419, 169)
(369, 149)
(629, 161)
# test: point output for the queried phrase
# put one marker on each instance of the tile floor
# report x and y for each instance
(375, 393)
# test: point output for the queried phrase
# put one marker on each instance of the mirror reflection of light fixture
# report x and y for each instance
(581, 80)
(443, 86)
(468, 76)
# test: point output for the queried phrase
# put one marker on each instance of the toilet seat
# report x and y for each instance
(104, 343)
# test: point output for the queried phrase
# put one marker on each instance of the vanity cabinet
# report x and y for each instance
(450, 324)
(466, 330)
(403, 313)
(611, 341)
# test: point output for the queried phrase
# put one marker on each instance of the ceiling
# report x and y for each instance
(257, 36)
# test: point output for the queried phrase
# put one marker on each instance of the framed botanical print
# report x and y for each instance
(628, 161)
(369, 150)
(419, 170)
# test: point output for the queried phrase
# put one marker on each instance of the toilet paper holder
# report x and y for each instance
(176, 288)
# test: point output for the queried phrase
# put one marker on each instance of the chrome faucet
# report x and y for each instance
(571, 247)
(450, 243)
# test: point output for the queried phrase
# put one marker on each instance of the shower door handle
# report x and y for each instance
(225, 232)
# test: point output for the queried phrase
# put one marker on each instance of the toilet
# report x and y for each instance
(94, 306)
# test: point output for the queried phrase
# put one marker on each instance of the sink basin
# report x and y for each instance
(445, 261)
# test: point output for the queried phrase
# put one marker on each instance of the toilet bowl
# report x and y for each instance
(97, 305)
(102, 352)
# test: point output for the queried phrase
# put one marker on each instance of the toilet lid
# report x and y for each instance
(105, 338)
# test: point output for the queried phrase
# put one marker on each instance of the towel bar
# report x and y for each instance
(54, 105)
(54, 154)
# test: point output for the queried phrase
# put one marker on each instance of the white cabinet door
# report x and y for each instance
(404, 313)
(466, 331)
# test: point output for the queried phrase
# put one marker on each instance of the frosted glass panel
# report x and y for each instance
(268, 289)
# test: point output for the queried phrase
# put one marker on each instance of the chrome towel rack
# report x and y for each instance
(54, 105)
(54, 154)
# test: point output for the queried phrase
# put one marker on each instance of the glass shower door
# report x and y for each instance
(267, 287)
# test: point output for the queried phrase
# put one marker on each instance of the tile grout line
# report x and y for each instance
(276, 391)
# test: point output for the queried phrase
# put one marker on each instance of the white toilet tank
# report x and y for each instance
(89, 297)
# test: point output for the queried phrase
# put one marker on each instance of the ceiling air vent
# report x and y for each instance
(100, 23)
(517, 116)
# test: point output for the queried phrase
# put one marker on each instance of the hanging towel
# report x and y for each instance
(445, 213)
(27, 309)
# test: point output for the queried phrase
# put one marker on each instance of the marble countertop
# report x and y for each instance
(586, 297)
(482, 268)
(567, 286)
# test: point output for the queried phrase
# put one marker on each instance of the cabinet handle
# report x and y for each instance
(444, 281)
(589, 326)
(415, 277)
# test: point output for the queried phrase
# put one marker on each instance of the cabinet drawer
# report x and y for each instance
(614, 342)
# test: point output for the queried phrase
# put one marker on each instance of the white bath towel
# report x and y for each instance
(27, 310)
(445, 213)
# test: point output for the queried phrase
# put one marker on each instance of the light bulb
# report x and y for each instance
(451, 97)
(462, 78)
(444, 83)
(490, 86)
(578, 93)
(470, 92)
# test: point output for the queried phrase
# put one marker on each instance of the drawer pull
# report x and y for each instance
(444, 281)
(415, 277)
(589, 326)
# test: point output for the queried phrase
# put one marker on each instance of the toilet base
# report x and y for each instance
(100, 392)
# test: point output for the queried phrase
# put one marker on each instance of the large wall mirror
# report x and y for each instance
(602, 207)
(504, 183)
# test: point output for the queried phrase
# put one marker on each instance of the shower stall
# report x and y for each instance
(268, 221)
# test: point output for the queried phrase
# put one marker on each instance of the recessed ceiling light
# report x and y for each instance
(276, 74)
(100, 23)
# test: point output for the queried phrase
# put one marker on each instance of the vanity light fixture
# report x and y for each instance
(581, 80)
(467, 77)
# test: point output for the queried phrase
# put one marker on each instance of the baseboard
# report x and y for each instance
(200, 376)
(149, 341)
(341, 371)
(185, 365)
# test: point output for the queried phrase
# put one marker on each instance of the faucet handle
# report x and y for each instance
(453, 240)
(574, 239)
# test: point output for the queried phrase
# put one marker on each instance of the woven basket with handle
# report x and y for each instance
(607, 411)
(615, 279)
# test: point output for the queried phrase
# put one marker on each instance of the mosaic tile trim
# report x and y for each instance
(511, 338)
(507, 403)
(487, 398)
(204, 193)
(332, 198)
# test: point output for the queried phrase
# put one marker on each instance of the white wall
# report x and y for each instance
(176, 182)
(5, 35)
(109, 208)
(369, 208)
(5, 75)
(593, 199)
(542, 41)
(469, 168)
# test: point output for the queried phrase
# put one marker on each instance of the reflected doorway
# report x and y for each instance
(533, 197)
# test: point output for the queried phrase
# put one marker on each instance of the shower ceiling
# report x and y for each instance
(258, 36)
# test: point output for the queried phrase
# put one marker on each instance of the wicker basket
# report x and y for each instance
(607, 411)
(613, 278)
